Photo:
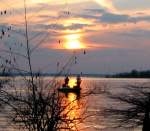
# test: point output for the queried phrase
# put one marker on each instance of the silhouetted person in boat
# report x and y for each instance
(78, 83)
(66, 82)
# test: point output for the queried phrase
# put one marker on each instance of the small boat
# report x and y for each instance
(67, 89)
(70, 90)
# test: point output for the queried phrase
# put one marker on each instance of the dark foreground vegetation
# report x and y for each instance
(36, 105)
(134, 110)
(30, 102)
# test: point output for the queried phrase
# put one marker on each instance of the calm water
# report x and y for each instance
(93, 103)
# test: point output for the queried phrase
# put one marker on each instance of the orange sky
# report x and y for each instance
(62, 22)
(87, 24)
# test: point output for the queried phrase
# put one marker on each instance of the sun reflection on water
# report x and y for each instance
(72, 82)
(74, 108)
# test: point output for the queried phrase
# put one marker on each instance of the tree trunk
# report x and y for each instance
(146, 121)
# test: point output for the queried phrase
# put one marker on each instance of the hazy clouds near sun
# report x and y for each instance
(114, 32)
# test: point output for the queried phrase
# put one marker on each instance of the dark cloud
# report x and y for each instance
(113, 18)
(139, 19)
(77, 26)
(101, 15)
(73, 26)
(96, 10)
(48, 17)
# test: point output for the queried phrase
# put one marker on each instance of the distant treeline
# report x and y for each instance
(4, 74)
(132, 74)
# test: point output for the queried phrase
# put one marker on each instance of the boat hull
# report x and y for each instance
(69, 90)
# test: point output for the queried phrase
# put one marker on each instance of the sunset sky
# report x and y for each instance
(115, 34)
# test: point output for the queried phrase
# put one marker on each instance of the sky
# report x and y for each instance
(99, 36)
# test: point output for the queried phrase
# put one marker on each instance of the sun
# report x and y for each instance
(73, 45)
(73, 42)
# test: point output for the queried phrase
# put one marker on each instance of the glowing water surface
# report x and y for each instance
(92, 104)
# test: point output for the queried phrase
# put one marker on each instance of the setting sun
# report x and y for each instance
(73, 42)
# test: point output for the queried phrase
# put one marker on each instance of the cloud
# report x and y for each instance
(57, 26)
(117, 18)
(139, 19)
(104, 16)
(113, 18)
(107, 4)
(101, 15)
(137, 39)
(132, 4)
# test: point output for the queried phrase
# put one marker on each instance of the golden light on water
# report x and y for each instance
(73, 42)
(72, 82)
(74, 109)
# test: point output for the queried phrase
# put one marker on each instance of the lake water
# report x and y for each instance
(93, 102)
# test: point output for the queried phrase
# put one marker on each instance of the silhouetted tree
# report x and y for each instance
(48, 110)
(133, 109)
(34, 104)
